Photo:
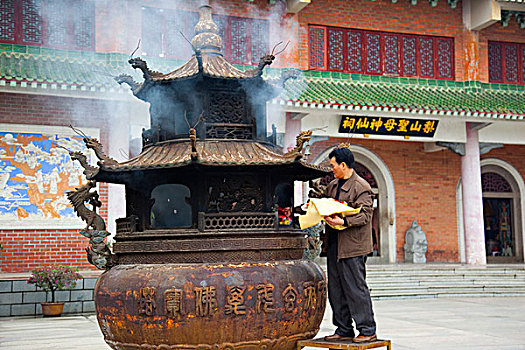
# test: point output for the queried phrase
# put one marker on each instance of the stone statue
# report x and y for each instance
(415, 244)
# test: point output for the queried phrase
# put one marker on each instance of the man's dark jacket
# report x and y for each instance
(356, 239)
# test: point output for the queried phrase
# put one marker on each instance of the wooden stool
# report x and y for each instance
(348, 345)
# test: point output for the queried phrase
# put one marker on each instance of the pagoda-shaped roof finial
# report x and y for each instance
(206, 37)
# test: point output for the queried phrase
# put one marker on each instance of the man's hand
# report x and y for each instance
(334, 220)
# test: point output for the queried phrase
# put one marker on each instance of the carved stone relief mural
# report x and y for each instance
(35, 174)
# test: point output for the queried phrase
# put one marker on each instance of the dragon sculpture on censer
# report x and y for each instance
(98, 252)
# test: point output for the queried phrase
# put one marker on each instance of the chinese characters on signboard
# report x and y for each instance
(388, 126)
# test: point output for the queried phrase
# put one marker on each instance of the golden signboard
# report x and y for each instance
(388, 126)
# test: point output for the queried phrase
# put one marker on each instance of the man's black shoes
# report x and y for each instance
(364, 338)
(337, 337)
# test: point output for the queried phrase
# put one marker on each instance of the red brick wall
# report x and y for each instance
(383, 15)
(25, 250)
(28, 249)
(512, 154)
(425, 190)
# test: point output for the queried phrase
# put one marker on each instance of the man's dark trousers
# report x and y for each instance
(348, 292)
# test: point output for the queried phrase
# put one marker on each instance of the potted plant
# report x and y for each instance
(51, 279)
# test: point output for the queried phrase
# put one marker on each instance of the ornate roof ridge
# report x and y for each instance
(220, 152)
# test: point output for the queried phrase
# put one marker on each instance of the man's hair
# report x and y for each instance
(343, 155)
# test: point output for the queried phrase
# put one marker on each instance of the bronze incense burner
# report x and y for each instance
(200, 261)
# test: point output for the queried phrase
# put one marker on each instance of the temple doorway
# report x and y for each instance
(503, 238)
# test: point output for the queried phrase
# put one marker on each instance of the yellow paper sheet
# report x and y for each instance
(319, 208)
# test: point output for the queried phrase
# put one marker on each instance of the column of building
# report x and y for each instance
(472, 199)
(475, 17)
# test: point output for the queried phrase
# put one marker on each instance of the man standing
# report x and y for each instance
(347, 252)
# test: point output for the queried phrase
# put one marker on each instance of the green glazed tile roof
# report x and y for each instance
(35, 67)
(408, 95)
(29, 66)
(48, 70)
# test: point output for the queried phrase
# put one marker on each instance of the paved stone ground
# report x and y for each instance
(433, 324)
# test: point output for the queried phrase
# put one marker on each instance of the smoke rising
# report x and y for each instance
(113, 31)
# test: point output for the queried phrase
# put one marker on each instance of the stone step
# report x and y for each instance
(445, 276)
(456, 277)
(401, 284)
(444, 287)
(441, 278)
(432, 281)
(445, 272)
(448, 295)
(443, 292)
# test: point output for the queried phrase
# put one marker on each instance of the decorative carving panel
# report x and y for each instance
(234, 194)
(240, 243)
(426, 50)
(229, 131)
(355, 56)
(409, 56)
(238, 40)
(373, 53)
(511, 63)
(32, 21)
(126, 225)
(391, 54)
(259, 30)
(317, 47)
(495, 70)
(7, 20)
(224, 221)
(211, 257)
(335, 49)
(506, 62)
(444, 58)
(492, 182)
(226, 107)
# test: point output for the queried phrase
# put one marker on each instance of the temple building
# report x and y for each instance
(429, 94)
